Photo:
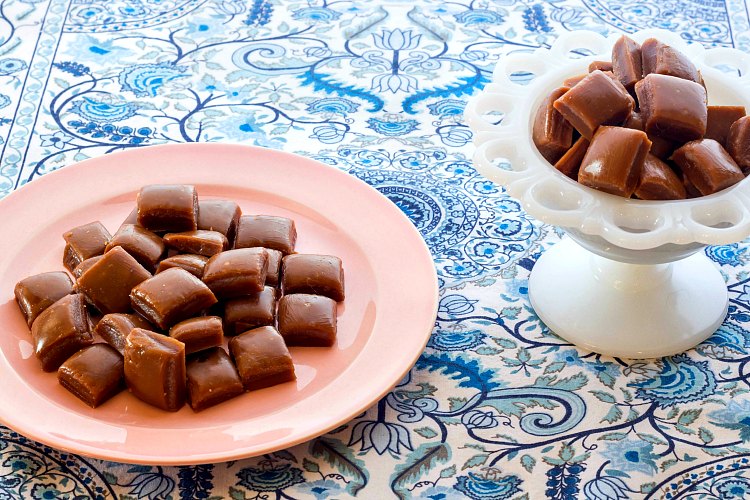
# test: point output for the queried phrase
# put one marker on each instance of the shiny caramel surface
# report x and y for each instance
(659, 182)
(211, 379)
(262, 358)
(61, 330)
(552, 134)
(168, 207)
(198, 333)
(313, 274)
(84, 242)
(719, 122)
(194, 264)
(614, 160)
(36, 293)
(155, 369)
(278, 233)
(738, 142)
(108, 282)
(600, 65)
(146, 246)
(307, 320)
(171, 296)
(85, 265)
(94, 374)
(626, 61)
(237, 272)
(649, 48)
(219, 215)
(672, 108)
(273, 269)
(596, 100)
(251, 311)
(672, 62)
(571, 160)
(707, 165)
(200, 242)
(114, 328)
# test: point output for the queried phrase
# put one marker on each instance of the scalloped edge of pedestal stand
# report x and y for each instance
(554, 198)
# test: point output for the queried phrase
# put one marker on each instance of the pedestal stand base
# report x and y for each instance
(627, 310)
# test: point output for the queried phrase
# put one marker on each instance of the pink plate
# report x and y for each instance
(384, 323)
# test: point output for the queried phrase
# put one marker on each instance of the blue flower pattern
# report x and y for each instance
(477, 487)
(270, 478)
(95, 110)
(628, 455)
(680, 380)
(145, 80)
(496, 407)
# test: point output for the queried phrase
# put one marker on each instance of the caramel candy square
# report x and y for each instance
(61, 330)
(690, 189)
(552, 134)
(85, 265)
(146, 246)
(571, 160)
(155, 369)
(245, 313)
(84, 242)
(738, 143)
(614, 160)
(596, 100)
(626, 61)
(194, 264)
(199, 242)
(93, 374)
(211, 379)
(273, 269)
(307, 320)
(600, 65)
(219, 215)
(719, 122)
(171, 296)
(634, 121)
(114, 328)
(36, 293)
(648, 55)
(572, 81)
(707, 165)
(198, 333)
(237, 272)
(278, 233)
(313, 274)
(660, 147)
(672, 108)
(262, 358)
(660, 58)
(659, 182)
(168, 208)
(107, 283)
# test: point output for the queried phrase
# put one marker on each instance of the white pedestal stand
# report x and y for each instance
(627, 310)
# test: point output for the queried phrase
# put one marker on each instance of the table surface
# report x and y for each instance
(496, 407)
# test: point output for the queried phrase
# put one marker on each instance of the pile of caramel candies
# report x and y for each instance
(151, 305)
(639, 126)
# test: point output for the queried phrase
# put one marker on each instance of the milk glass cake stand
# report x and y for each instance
(629, 279)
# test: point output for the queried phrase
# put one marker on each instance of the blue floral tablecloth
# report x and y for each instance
(496, 407)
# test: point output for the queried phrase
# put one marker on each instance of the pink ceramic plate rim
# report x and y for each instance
(397, 322)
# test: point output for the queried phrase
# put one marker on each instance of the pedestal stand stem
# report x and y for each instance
(627, 310)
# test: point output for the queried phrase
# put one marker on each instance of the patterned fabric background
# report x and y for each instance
(496, 407)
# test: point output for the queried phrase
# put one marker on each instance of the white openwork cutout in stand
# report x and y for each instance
(631, 280)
